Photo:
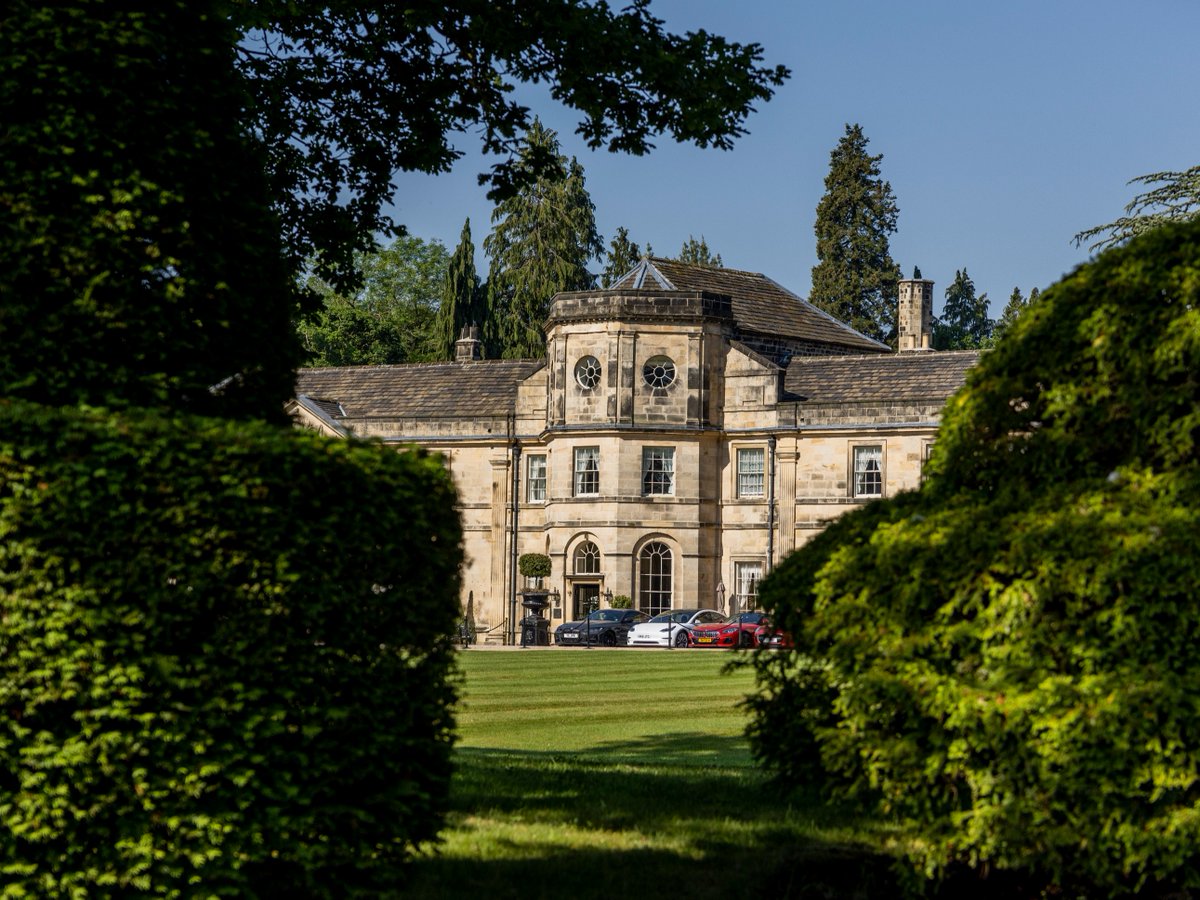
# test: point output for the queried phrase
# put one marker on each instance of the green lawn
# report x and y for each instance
(624, 773)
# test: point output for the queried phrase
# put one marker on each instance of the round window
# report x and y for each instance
(658, 371)
(587, 372)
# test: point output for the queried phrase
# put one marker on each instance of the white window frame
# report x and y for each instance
(535, 478)
(746, 576)
(751, 482)
(656, 565)
(658, 471)
(586, 559)
(862, 476)
(586, 481)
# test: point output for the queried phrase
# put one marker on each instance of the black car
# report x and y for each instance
(605, 627)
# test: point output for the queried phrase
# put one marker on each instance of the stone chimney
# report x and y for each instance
(468, 347)
(916, 313)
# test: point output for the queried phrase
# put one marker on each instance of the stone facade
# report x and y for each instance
(687, 429)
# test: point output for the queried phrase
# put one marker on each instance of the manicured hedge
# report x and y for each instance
(1007, 663)
(224, 657)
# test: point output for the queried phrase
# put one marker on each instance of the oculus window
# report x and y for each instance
(587, 372)
(659, 372)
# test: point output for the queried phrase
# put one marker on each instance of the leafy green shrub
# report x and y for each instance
(534, 565)
(223, 657)
(1008, 661)
(622, 601)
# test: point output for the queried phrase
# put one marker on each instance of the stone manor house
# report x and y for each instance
(687, 429)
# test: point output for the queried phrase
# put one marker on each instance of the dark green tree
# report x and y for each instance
(623, 255)
(1176, 198)
(346, 93)
(1004, 663)
(696, 253)
(542, 239)
(462, 295)
(135, 228)
(856, 280)
(1008, 317)
(391, 318)
(964, 322)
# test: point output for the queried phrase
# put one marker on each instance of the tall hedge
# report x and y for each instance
(223, 657)
(140, 263)
(1008, 661)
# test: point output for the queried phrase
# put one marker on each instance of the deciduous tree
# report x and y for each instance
(855, 279)
(541, 242)
(346, 93)
(391, 318)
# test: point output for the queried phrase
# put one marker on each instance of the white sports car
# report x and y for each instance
(671, 628)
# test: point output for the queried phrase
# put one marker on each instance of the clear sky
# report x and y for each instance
(1006, 127)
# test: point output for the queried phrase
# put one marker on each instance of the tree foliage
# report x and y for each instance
(855, 279)
(1017, 303)
(347, 93)
(1006, 662)
(542, 239)
(390, 318)
(696, 253)
(623, 255)
(134, 224)
(964, 322)
(1176, 198)
(463, 300)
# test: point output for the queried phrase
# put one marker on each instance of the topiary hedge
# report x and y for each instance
(1007, 663)
(223, 657)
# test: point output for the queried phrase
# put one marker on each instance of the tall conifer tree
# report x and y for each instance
(461, 295)
(856, 280)
(542, 239)
(964, 322)
(623, 255)
(1016, 304)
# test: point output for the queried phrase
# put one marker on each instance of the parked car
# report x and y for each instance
(672, 628)
(604, 627)
(741, 630)
(772, 638)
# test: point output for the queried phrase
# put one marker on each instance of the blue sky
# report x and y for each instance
(1005, 128)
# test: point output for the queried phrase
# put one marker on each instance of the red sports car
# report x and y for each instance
(740, 631)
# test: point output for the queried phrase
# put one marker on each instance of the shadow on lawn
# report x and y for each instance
(649, 819)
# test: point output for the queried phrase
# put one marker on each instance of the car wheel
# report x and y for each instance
(608, 639)
(681, 639)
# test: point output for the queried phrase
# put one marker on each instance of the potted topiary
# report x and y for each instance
(535, 567)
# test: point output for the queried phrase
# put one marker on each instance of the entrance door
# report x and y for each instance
(587, 598)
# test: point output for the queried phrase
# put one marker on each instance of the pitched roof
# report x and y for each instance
(760, 305)
(899, 377)
(479, 388)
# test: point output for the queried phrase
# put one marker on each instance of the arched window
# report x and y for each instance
(655, 581)
(587, 559)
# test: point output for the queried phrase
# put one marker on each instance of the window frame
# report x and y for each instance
(656, 580)
(582, 477)
(531, 480)
(659, 477)
(861, 449)
(589, 552)
(741, 474)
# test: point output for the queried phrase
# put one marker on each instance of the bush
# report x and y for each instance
(223, 660)
(534, 565)
(1007, 661)
(622, 601)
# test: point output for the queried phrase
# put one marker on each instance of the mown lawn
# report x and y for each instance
(624, 773)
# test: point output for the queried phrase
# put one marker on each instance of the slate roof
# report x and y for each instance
(760, 305)
(480, 388)
(898, 378)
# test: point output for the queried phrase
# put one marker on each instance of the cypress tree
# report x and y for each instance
(461, 295)
(541, 241)
(856, 280)
(623, 255)
(1016, 303)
